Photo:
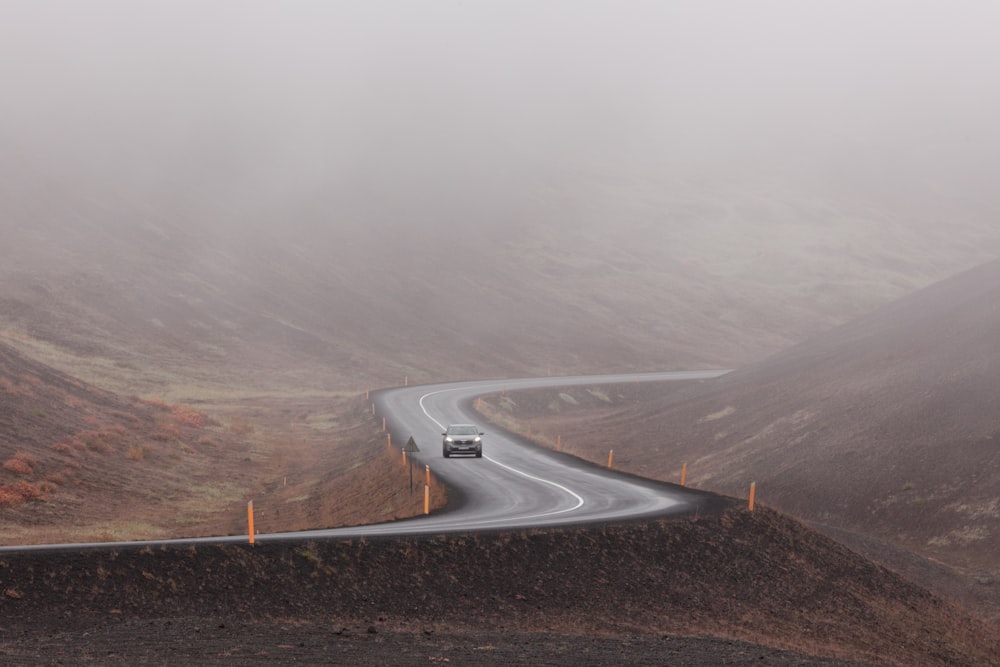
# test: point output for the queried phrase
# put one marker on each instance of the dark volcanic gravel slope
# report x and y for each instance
(755, 577)
(211, 641)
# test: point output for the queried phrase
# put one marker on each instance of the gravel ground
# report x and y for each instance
(207, 641)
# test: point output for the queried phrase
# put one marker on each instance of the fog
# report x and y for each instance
(461, 113)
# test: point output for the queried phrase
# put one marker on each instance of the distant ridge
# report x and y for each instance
(609, 271)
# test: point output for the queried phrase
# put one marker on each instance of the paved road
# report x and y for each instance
(514, 484)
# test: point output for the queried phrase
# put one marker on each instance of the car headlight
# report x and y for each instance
(478, 439)
(448, 439)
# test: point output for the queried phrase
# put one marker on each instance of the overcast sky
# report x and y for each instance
(411, 102)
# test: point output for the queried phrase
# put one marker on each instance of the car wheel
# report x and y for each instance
(479, 454)
(446, 453)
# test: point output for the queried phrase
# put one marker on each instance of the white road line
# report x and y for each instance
(424, 408)
(580, 502)
(579, 499)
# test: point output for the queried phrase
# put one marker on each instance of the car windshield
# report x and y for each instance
(463, 430)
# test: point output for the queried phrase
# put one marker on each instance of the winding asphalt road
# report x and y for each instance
(514, 484)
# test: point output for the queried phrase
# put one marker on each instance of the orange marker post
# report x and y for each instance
(684, 474)
(250, 519)
(558, 443)
(753, 495)
(404, 457)
(427, 499)
(388, 440)
(383, 423)
(428, 469)
(611, 457)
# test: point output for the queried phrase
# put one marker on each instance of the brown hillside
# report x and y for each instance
(888, 426)
(81, 464)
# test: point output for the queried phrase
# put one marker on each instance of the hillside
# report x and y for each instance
(886, 426)
(81, 464)
(604, 271)
(728, 587)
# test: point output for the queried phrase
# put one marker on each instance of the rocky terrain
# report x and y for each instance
(728, 587)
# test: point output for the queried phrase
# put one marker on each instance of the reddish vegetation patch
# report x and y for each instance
(20, 464)
(13, 495)
(185, 416)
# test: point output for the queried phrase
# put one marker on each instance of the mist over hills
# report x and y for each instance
(637, 276)
(886, 425)
(338, 196)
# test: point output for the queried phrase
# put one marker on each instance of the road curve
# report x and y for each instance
(514, 485)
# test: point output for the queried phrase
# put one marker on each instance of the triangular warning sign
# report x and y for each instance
(411, 446)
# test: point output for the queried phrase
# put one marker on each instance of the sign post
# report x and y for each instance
(409, 448)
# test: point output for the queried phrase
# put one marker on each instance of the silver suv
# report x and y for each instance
(462, 439)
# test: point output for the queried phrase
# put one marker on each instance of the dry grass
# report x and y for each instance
(329, 467)
(189, 417)
(358, 480)
(19, 492)
(20, 464)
